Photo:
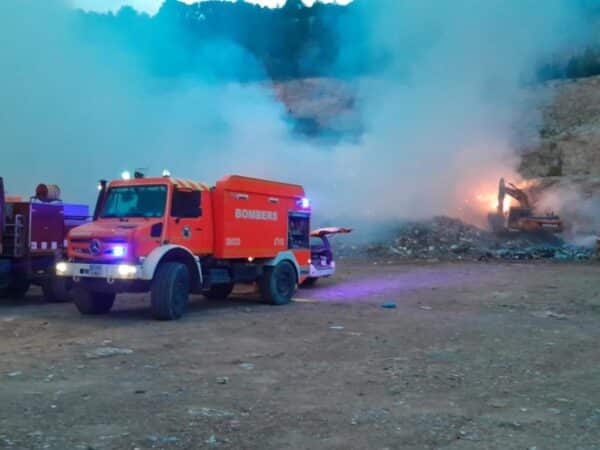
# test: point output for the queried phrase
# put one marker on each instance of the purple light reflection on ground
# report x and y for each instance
(388, 284)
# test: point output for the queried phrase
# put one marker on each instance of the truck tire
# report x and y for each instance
(218, 291)
(93, 303)
(18, 288)
(170, 291)
(278, 284)
(57, 290)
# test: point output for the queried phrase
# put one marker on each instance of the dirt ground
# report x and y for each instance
(495, 356)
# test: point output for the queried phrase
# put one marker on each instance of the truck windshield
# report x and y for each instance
(135, 201)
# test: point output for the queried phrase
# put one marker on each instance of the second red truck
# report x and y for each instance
(32, 239)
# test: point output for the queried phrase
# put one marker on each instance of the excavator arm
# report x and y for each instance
(516, 193)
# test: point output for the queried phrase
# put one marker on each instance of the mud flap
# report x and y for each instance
(5, 269)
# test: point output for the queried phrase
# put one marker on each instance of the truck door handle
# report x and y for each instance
(198, 229)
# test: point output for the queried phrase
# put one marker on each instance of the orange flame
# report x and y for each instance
(489, 201)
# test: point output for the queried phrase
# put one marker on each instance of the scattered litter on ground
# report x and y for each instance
(305, 300)
(498, 403)
(163, 439)
(104, 352)
(336, 327)
(389, 305)
(209, 412)
(447, 239)
(370, 416)
(550, 314)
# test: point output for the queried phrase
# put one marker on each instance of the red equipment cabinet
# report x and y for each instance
(172, 237)
(251, 217)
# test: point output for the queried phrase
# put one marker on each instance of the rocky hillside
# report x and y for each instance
(563, 168)
(560, 158)
(566, 144)
(570, 136)
(320, 107)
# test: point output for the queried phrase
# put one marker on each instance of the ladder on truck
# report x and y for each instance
(15, 237)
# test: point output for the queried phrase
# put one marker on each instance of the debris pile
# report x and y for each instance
(445, 239)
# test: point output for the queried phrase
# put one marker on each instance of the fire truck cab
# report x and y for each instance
(172, 237)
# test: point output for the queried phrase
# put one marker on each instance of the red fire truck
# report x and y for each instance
(174, 237)
(32, 240)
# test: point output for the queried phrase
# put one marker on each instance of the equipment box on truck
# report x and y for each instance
(174, 237)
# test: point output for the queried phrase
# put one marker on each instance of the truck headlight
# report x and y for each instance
(119, 251)
(61, 267)
(126, 270)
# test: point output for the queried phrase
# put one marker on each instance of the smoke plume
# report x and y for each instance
(439, 114)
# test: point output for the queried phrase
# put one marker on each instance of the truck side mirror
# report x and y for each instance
(101, 198)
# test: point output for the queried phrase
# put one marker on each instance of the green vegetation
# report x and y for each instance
(222, 40)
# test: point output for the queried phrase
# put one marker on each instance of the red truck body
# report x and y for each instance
(242, 230)
(251, 218)
(33, 239)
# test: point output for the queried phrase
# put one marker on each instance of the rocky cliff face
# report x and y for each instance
(563, 142)
(570, 136)
(563, 166)
(560, 152)
(320, 107)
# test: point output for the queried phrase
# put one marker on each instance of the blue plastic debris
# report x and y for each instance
(389, 305)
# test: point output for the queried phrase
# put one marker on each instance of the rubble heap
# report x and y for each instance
(445, 238)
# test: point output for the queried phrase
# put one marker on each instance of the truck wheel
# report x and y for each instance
(93, 303)
(218, 291)
(57, 290)
(309, 282)
(278, 284)
(18, 288)
(170, 291)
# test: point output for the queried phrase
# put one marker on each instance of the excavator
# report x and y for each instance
(520, 218)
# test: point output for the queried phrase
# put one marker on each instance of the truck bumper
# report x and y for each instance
(109, 272)
(317, 271)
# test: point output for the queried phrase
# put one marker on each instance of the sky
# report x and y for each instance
(152, 6)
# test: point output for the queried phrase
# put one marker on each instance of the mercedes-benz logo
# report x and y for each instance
(95, 247)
